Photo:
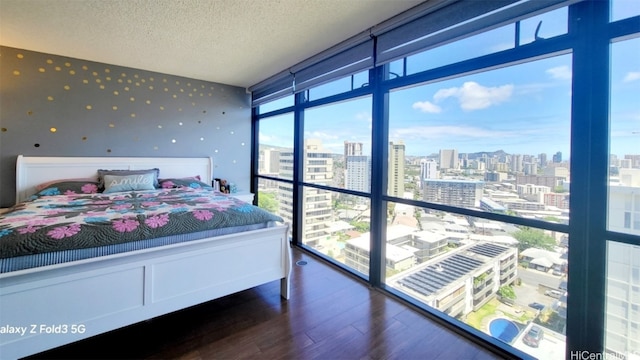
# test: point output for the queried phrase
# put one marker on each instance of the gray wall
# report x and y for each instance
(58, 106)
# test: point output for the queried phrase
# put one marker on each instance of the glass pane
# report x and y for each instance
(624, 165)
(505, 281)
(277, 198)
(339, 86)
(482, 44)
(544, 26)
(276, 104)
(337, 225)
(622, 329)
(622, 9)
(482, 141)
(337, 150)
(276, 146)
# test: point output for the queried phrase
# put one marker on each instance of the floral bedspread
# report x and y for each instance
(70, 221)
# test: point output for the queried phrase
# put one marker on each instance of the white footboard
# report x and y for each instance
(55, 305)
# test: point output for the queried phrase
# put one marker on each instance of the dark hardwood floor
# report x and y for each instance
(330, 316)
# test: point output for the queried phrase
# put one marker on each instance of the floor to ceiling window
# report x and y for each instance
(476, 176)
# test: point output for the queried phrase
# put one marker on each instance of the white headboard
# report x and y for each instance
(34, 170)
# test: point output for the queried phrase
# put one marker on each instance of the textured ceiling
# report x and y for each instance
(235, 42)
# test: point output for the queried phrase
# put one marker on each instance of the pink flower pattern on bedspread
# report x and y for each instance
(56, 220)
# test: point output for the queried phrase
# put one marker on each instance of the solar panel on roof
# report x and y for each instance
(489, 250)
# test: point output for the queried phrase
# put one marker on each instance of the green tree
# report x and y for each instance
(528, 237)
(507, 292)
(268, 201)
(360, 226)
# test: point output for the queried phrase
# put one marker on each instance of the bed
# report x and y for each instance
(58, 291)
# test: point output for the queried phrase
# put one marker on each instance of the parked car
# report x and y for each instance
(554, 293)
(533, 336)
(536, 306)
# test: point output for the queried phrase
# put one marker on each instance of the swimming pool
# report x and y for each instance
(503, 329)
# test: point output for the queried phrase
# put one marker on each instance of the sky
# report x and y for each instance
(521, 109)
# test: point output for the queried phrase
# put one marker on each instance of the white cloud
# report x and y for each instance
(427, 107)
(473, 96)
(447, 132)
(560, 72)
(632, 76)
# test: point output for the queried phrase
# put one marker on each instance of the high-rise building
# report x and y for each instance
(269, 161)
(396, 169)
(449, 159)
(462, 193)
(542, 158)
(316, 203)
(428, 170)
(352, 149)
(358, 173)
(557, 157)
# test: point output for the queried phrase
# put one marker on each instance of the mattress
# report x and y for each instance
(55, 227)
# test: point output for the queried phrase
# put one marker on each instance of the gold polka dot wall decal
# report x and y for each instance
(166, 89)
(174, 96)
(133, 115)
(150, 87)
(98, 81)
(173, 141)
(201, 94)
(89, 107)
(180, 123)
(108, 78)
(67, 87)
(179, 109)
(53, 129)
(20, 56)
(189, 84)
(16, 72)
(164, 80)
(72, 72)
(120, 81)
(85, 68)
(95, 73)
(67, 64)
(137, 83)
(148, 102)
(132, 98)
(193, 104)
(135, 76)
(107, 70)
(159, 126)
(210, 94)
(162, 108)
(58, 68)
(101, 87)
(202, 86)
(151, 79)
(112, 125)
(114, 107)
(85, 81)
(129, 81)
(181, 90)
(126, 88)
(41, 70)
(116, 93)
(143, 81)
(155, 148)
(50, 98)
(49, 61)
(123, 75)
(177, 82)
(190, 95)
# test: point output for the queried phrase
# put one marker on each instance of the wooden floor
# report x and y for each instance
(330, 316)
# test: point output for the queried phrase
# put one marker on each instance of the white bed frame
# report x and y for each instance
(64, 303)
